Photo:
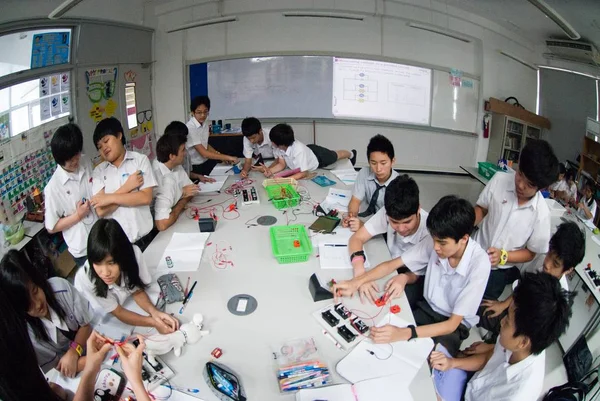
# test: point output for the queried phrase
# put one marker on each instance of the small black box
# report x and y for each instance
(207, 224)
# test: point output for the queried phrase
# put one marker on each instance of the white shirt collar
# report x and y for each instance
(196, 123)
(164, 169)
(516, 368)
(532, 203)
(414, 238)
(372, 177)
(290, 151)
(65, 175)
(463, 265)
(55, 322)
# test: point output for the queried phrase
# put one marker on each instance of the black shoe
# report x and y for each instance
(353, 158)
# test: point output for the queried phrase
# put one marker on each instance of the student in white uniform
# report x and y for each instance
(452, 288)
(293, 154)
(371, 182)
(179, 128)
(403, 222)
(566, 250)
(203, 156)
(256, 144)
(571, 195)
(514, 217)
(69, 191)
(175, 189)
(122, 184)
(116, 271)
(587, 204)
(58, 317)
(513, 369)
(559, 188)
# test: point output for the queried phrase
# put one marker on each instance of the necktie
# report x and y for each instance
(373, 202)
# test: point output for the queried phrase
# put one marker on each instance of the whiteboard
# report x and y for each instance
(378, 90)
(282, 86)
(454, 107)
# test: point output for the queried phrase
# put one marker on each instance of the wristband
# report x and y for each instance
(358, 254)
(76, 347)
(413, 331)
(503, 257)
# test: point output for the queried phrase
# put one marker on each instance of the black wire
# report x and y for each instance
(382, 359)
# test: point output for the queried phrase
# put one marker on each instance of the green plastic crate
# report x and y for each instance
(282, 244)
(283, 196)
(487, 170)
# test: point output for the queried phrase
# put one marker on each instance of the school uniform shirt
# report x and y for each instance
(298, 155)
(500, 381)
(136, 221)
(397, 244)
(169, 189)
(457, 290)
(117, 293)
(264, 149)
(510, 226)
(62, 193)
(366, 185)
(197, 135)
(559, 186)
(592, 207)
(573, 192)
(78, 312)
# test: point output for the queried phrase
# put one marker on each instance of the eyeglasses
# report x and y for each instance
(202, 113)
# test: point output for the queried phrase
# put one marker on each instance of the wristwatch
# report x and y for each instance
(78, 348)
(358, 253)
(413, 331)
(503, 257)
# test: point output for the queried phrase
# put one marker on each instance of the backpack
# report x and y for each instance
(567, 392)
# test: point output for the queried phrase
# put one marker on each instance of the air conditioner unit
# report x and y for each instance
(571, 50)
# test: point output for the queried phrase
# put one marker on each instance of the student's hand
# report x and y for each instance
(389, 334)
(230, 159)
(67, 365)
(134, 181)
(101, 200)
(83, 209)
(395, 286)
(478, 347)
(344, 288)
(244, 174)
(368, 291)
(354, 224)
(494, 254)
(441, 362)
(165, 323)
(203, 178)
(492, 308)
(131, 360)
(189, 191)
(96, 349)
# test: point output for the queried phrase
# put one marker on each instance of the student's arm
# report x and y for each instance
(131, 199)
(355, 244)
(134, 181)
(472, 363)
(480, 213)
(97, 348)
(275, 167)
(353, 206)
(495, 308)
(349, 287)
(389, 333)
(70, 363)
(64, 223)
(586, 210)
(247, 167)
(213, 154)
(301, 175)
(163, 322)
(179, 207)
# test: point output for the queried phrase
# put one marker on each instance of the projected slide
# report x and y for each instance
(377, 90)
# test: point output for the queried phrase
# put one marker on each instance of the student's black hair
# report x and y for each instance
(167, 145)
(570, 175)
(251, 126)
(568, 244)
(66, 143)
(177, 127)
(20, 377)
(282, 135)
(561, 169)
(538, 163)
(198, 101)
(542, 310)
(589, 184)
(108, 126)
(452, 217)
(380, 143)
(107, 238)
(401, 199)
(17, 273)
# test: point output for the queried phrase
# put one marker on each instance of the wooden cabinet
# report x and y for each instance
(589, 165)
(508, 136)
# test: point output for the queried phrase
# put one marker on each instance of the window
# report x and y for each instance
(130, 105)
(32, 103)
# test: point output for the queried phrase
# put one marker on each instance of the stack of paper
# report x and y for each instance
(347, 176)
(222, 169)
(184, 252)
(213, 186)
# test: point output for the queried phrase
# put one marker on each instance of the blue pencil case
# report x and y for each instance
(323, 181)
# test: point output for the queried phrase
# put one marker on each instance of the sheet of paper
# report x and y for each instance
(337, 199)
(340, 392)
(383, 389)
(213, 186)
(185, 252)
(334, 255)
(347, 176)
(221, 169)
(67, 383)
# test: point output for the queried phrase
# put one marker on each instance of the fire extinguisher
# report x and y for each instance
(487, 119)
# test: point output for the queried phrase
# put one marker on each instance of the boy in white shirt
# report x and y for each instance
(371, 182)
(403, 222)
(559, 189)
(122, 184)
(566, 250)
(515, 219)
(175, 189)
(203, 156)
(255, 144)
(457, 270)
(69, 191)
(513, 369)
(294, 154)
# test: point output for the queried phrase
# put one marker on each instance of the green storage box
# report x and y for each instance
(283, 195)
(488, 170)
(283, 244)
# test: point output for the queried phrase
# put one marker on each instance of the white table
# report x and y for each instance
(474, 172)
(284, 302)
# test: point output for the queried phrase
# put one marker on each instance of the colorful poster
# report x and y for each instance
(45, 109)
(455, 77)
(44, 86)
(101, 84)
(65, 103)
(143, 144)
(4, 126)
(65, 82)
(55, 105)
(144, 120)
(50, 49)
(55, 84)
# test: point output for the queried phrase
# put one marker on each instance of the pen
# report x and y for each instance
(332, 339)
(189, 294)
(340, 195)
(187, 286)
(185, 303)
(337, 245)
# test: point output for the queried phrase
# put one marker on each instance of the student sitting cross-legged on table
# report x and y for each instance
(68, 193)
(444, 302)
(175, 189)
(293, 154)
(122, 184)
(515, 219)
(371, 182)
(256, 144)
(402, 220)
(513, 368)
(117, 270)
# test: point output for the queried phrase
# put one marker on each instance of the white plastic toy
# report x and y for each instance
(189, 333)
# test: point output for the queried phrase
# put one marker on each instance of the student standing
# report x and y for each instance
(256, 144)
(203, 156)
(515, 219)
(69, 191)
(371, 182)
(122, 184)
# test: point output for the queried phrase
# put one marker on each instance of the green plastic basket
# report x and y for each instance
(283, 196)
(282, 244)
(487, 170)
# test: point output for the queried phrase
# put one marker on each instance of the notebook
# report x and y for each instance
(213, 186)
(389, 388)
(406, 357)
